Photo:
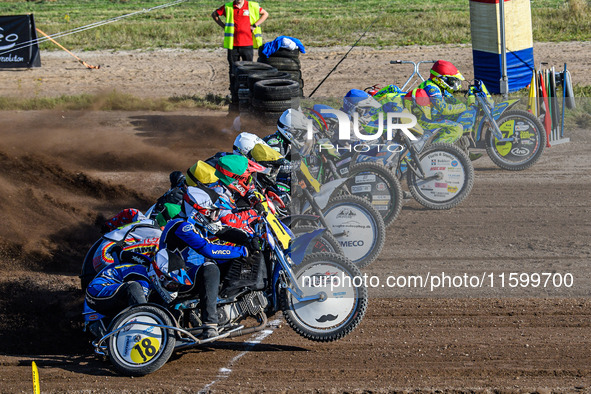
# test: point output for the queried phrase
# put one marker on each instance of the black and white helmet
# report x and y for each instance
(245, 142)
(293, 125)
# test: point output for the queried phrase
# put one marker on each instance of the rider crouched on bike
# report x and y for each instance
(236, 183)
(451, 116)
(121, 285)
(187, 234)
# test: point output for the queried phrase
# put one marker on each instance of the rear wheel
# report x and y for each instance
(375, 183)
(358, 227)
(140, 347)
(342, 303)
(530, 140)
(449, 177)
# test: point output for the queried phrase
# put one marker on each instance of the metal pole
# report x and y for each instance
(504, 88)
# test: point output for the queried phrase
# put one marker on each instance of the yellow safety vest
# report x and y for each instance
(257, 34)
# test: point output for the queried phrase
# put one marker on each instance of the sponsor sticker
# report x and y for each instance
(365, 178)
(441, 185)
(381, 186)
(361, 189)
(520, 151)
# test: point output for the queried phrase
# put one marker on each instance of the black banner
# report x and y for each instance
(18, 42)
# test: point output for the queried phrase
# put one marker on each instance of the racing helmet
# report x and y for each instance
(418, 99)
(201, 173)
(359, 101)
(203, 205)
(233, 171)
(176, 179)
(169, 272)
(169, 212)
(245, 142)
(446, 76)
(292, 125)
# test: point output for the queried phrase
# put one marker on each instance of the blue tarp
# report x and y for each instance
(488, 67)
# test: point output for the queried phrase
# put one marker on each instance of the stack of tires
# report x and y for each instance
(286, 60)
(240, 91)
(271, 97)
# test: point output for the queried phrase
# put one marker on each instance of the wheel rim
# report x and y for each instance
(520, 151)
(340, 302)
(354, 228)
(452, 176)
(140, 343)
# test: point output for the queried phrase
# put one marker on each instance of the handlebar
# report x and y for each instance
(416, 71)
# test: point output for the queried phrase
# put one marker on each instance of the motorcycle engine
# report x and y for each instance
(251, 304)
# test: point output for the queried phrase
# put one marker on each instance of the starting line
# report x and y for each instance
(225, 372)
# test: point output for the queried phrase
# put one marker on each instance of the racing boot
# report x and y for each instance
(474, 156)
(209, 331)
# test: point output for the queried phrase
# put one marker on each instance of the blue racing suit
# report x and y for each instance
(181, 237)
(117, 287)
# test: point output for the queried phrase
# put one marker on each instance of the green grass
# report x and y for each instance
(315, 22)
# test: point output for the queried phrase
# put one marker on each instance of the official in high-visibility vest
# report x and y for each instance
(242, 34)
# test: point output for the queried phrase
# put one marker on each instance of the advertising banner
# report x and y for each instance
(18, 42)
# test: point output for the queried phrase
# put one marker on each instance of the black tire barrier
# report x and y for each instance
(266, 75)
(275, 105)
(282, 63)
(276, 89)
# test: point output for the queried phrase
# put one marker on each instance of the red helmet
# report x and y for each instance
(418, 98)
(446, 76)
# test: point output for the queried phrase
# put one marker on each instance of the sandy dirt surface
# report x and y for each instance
(168, 73)
(60, 172)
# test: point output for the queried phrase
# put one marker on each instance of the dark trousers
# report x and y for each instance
(208, 282)
(234, 55)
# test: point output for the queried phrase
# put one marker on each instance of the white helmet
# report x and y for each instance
(292, 124)
(245, 142)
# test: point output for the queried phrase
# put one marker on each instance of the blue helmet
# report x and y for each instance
(359, 101)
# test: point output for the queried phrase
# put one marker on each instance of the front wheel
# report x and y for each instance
(358, 227)
(448, 180)
(325, 242)
(341, 303)
(525, 150)
(140, 347)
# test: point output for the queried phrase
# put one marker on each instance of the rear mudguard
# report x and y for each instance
(293, 220)
(297, 249)
(496, 112)
(325, 192)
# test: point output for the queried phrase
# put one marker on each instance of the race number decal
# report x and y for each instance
(144, 350)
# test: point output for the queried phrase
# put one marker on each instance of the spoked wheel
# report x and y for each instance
(140, 347)
(358, 227)
(342, 302)
(325, 242)
(530, 140)
(449, 177)
(377, 184)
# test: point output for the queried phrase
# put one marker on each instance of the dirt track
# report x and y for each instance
(168, 73)
(60, 171)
